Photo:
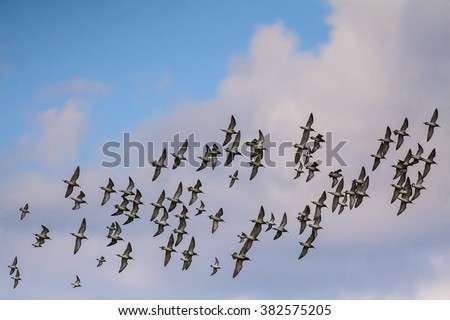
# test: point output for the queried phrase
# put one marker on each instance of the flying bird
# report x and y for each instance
(158, 205)
(255, 163)
(398, 187)
(401, 133)
(188, 254)
(216, 219)
(337, 194)
(137, 198)
(319, 205)
(101, 261)
(229, 131)
(240, 258)
(215, 151)
(168, 249)
(129, 190)
(200, 209)
(301, 146)
(77, 283)
(116, 235)
(206, 158)
(176, 198)
(121, 208)
(158, 165)
(132, 214)
(234, 149)
(13, 267)
(16, 278)
(79, 236)
(312, 168)
(24, 211)
(125, 256)
(233, 178)
(183, 213)
(179, 156)
(162, 223)
(307, 245)
(335, 175)
(108, 190)
(195, 190)
(432, 124)
(215, 266)
(303, 218)
(78, 200)
(270, 223)
(361, 192)
(281, 228)
(308, 126)
(405, 197)
(180, 231)
(299, 170)
(42, 236)
(378, 156)
(428, 162)
(72, 182)
(386, 140)
(417, 186)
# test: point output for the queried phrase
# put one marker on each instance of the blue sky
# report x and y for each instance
(74, 76)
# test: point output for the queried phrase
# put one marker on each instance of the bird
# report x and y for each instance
(158, 165)
(432, 124)
(24, 211)
(418, 156)
(362, 175)
(386, 140)
(72, 182)
(176, 197)
(43, 235)
(417, 186)
(299, 170)
(315, 226)
(215, 266)
(428, 162)
(162, 223)
(195, 190)
(215, 151)
(307, 245)
(240, 258)
(77, 283)
(337, 194)
(260, 219)
(352, 194)
(116, 235)
(206, 158)
(200, 209)
(125, 256)
(335, 175)
(101, 260)
(121, 208)
(13, 267)
(301, 146)
(179, 156)
(180, 231)
(233, 177)
(398, 186)
(137, 198)
(318, 139)
(303, 218)
(281, 228)
(183, 213)
(158, 205)
(229, 131)
(342, 204)
(255, 163)
(108, 190)
(129, 190)
(311, 169)
(249, 238)
(188, 254)
(132, 214)
(78, 200)
(404, 199)
(257, 145)
(319, 205)
(216, 219)
(378, 156)
(401, 133)
(309, 123)
(79, 236)
(234, 149)
(16, 278)
(168, 249)
(270, 223)
(39, 242)
(361, 192)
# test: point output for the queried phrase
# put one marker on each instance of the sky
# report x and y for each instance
(75, 77)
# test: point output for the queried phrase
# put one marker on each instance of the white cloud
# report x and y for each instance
(61, 132)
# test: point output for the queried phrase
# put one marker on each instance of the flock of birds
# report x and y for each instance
(404, 191)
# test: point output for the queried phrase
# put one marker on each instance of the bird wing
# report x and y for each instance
(130, 184)
(404, 125)
(163, 157)
(128, 249)
(261, 213)
(82, 226)
(430, 133)
(77, 245)
(303, 253)
(76, 174)
(123, 264)
(399, 142)
(179, 190)
(237, 268)
(310, 120)
(283, 221)
(106, 197)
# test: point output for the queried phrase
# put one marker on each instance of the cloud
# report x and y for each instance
(61, 132)
(368, 76)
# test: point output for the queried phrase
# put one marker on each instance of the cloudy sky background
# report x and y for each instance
(74, 77)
